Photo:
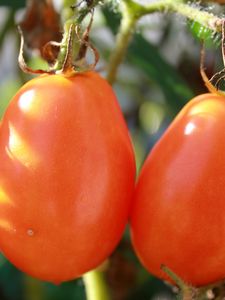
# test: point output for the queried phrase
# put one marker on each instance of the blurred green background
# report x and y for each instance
(159, 75)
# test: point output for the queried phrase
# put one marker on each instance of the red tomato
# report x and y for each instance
(178, 216)
(66, 176)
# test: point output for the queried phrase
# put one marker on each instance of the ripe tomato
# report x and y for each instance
(66, 176)
(178, 214)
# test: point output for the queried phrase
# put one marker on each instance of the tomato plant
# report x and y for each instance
(178, 216)
(66, 176)
(210, 38)
(66, 162)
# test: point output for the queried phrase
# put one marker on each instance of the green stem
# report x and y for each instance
(67, 12)
(95, 286)
(133, 11)
(123, 38)
(194, 13)
(64, 45)
(76, 19)
(189, 292)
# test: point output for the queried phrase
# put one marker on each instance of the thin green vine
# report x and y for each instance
(74, 21)
(132, 11)
(124, 36)
(187, 10)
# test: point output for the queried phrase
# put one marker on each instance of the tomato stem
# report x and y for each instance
(75, 42)
(67, 12)
(132, 11)
(187, 10)
(188, 292)
(95, 286)
(127, 27)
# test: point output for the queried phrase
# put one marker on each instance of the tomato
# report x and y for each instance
(67, 176)
(177, 219)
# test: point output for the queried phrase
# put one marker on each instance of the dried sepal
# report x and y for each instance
(24, 67)
(217, 77)
(68, 61)
(85, 45)
(50, 52)
(40, 25)
(78, 64)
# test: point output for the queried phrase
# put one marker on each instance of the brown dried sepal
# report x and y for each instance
(69, 63)
(219, 76)
(41, 24)
(85, 45)
(23, 66)
(50, 52)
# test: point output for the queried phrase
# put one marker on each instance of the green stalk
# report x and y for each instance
(95, 286)
(75, 19)
(132, 11)
(67, 12)
(123, 38)
(193, 13)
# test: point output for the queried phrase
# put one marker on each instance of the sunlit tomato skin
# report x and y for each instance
(67, 176)
(178, 217)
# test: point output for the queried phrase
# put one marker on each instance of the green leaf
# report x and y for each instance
(11, 282)
(112, 19)
(146, 56)
(13, 3)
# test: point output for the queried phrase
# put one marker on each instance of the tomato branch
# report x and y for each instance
(95, 286)
(189, 11)
(127, 26)
(132, 11)
(73, 23)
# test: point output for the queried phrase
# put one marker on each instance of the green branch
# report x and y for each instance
(76, 17)
(127, 26)
(132, 11)
(95, 286)
(194, 13)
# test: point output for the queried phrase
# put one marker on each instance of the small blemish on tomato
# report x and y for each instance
(30, 232)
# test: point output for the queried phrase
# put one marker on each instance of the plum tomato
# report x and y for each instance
(67, 174)
(177, 218)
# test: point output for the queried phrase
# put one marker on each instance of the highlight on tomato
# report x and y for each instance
(67, 176)
(177, 219)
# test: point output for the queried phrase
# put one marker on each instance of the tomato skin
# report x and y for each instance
(67, 176)
(178, 214)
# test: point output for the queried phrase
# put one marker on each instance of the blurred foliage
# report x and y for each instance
(159, 75)
(13, 3)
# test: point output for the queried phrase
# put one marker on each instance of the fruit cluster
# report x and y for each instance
(67, 183)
